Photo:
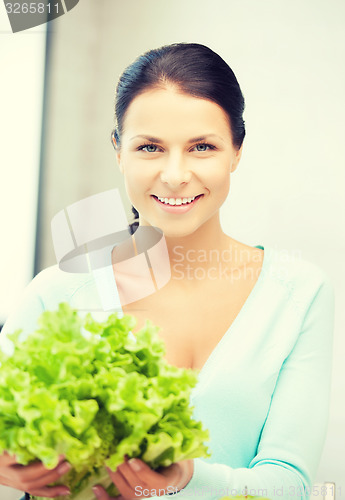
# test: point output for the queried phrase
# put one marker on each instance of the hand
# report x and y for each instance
(134, 479)
(33, 478)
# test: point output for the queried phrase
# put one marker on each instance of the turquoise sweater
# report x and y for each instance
(264, 390)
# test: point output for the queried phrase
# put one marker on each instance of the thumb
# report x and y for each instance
(172, 472)
(180, 473)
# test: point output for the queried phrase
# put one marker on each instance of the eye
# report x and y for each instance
(203, 146)
(149, 148)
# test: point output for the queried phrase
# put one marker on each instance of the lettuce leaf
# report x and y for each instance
(92, 392)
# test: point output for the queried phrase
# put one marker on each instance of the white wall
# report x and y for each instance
(21, 90)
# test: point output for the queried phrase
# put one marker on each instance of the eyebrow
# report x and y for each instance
(195, 139)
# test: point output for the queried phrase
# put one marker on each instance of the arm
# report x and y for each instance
(24, 316)
(32, 478)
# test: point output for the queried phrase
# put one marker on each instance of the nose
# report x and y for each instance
(175, 171)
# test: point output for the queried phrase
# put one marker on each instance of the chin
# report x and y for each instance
(173, 229)
(177, 232)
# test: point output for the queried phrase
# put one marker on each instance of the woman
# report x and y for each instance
(258, 329)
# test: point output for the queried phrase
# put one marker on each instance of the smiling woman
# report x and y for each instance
(258, 328)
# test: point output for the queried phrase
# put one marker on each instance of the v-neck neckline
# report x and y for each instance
(253, 293)
(106, 285)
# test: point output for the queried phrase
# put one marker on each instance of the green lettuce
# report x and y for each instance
(92, 392)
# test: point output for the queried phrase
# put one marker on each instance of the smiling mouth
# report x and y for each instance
(176, 201)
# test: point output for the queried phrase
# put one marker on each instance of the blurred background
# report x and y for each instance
(56, 114)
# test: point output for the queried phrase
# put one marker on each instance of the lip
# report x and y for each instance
(176, 197)
(177, 209)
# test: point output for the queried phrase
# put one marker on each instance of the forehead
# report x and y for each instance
(168, 112)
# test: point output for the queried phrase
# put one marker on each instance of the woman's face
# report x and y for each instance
(175, 147)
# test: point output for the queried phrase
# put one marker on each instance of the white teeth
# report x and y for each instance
(176, 201)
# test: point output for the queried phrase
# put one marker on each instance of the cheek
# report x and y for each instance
(136, 178)
(218, 179)
(222, 191)
(137, 185)
(132, 189)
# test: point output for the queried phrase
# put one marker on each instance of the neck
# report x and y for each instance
(208, 237)
(198, 252)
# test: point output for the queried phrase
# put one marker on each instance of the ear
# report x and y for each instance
(118, 152)
(237, 158)
(118, 156)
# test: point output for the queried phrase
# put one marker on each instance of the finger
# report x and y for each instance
(172, 473)
(6, 459)
(52, 476)
(127, 490)
(28, 483)
(37, 472)
(146, 475)
(49, 492)
(4, 481)
(179, 474)
(130, 475)
(100, 493)
(121, 483)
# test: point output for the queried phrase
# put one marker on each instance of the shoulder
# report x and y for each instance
(47, 289)
(53, 281)
(291, 268)
(51, 276)
(303, 280)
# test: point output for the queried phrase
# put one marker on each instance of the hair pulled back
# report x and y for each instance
(195, 70)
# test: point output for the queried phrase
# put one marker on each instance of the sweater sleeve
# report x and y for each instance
(47, 289)
(24, 317)
(294, 432)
